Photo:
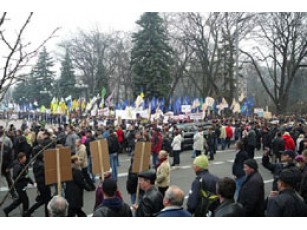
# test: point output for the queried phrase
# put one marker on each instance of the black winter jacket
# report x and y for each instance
(7, 160)
(252, 195)
(113, 207)
(278, 144)
(74, 189)
(287, 204)
(276, 170)
(230, 209)
(237, 167)
(113, 144)
(151, 203)
(23, 181)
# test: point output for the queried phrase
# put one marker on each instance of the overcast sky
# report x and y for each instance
(113, 15)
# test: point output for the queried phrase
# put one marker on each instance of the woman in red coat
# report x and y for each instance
(120, 137)
(289, 142)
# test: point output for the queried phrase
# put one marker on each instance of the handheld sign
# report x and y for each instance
(100, 157)
(57, 166)
(141, 161)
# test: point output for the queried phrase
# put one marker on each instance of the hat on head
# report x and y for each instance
(288, 176)
(252, 163)
(290, 153)
(201, 161)
(109, 187)
(149, 174)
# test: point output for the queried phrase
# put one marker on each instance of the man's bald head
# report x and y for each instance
(174, 196)
(58, 207)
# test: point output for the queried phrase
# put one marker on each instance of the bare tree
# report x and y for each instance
(282, 48)
(16, 53)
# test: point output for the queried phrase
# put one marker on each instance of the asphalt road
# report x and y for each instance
(182, 177)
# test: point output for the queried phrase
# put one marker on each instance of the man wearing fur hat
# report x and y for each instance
(251, 195)
(200, 166)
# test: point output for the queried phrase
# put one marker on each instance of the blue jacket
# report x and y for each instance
(194, 195)
(174, 212)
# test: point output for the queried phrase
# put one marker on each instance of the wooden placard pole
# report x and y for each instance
(58, 169)
(100, 161)
(140, 169)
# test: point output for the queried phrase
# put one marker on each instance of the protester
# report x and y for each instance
(71, 139)
(289, 142)
(112, 205)
(99, 191)
(287, 162)
(229, 135)
(44, 191)
(152, 201)
(113, 151)
(176, 147)
(173, 201)
(74, 189)
(303, 186)
(287, 203)
(82, 155)
(7, 164)
(163, 172)
(198, 144)
(237, 167)
(20, 185)
(251, 195)
(58, 207)
(278, 145)
(156, 145)
(200, 167)
(225, 189)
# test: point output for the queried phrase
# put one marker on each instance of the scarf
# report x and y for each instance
(161, 161)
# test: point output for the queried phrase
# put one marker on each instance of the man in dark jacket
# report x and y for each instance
(152, 201)
(132, 180)
(251, 143)
(225, 189)
(173, 201)
(74, 190)
(278, 145)
(43, 190)
(252, 191)
(200, 166)
(112, 205)
(20, 185)
(7, 164)
(287, 203)
(287, 162)
(89, 139)
(237, 167)
(113, 151)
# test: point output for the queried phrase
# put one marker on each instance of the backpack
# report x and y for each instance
(208, 201)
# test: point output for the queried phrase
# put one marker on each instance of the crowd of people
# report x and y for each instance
(284, 154)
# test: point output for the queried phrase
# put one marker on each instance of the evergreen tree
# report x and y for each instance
(102, 80)
(43, 78)
(67, 80)
(151, 57)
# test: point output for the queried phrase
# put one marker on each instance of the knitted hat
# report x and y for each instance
(252, 164)
(201, 161)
